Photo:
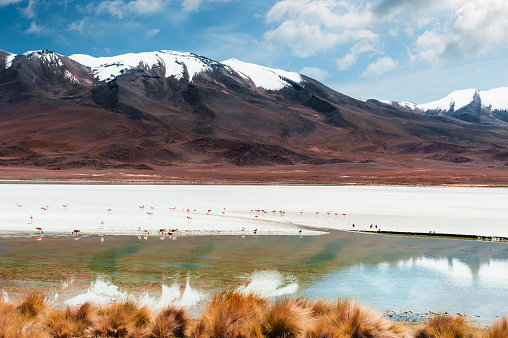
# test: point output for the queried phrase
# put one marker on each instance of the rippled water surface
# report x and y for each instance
(385, 272)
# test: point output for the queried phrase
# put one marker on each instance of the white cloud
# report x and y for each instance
(475, 28)
(348, 60)
(77, 26)
(315, 73)
(8, 2)
(152, 32)
(381, 66)
(120, 9)
(309, 27)
(115, 8)
(38, 30)
(190, 5)
(29, 10)
(193, 5)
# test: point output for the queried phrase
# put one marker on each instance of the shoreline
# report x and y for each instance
(436, 235)
(70, 181)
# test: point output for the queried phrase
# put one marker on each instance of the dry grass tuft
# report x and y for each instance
(445, 326)
(123, 319)
(499, 329)
(231, 314)
(69, 322)
(287, 318)
(32, 304)
(350, 320)
(171, 322)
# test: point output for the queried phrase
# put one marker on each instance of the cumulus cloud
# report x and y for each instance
(315, 73)
(477, 27)
(309, 27)
(381, 66)
(29, 10)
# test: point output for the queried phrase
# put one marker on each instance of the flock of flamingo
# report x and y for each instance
(170, 232)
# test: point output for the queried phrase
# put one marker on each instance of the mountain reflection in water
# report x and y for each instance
(385, 272)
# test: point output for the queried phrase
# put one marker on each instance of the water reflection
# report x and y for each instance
(422, 284)
(386, 272)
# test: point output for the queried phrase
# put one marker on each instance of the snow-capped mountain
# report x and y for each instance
(469, 105)
(158, 109)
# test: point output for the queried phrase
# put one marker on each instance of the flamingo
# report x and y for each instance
(301, 213)
(19, 205)
(43, 210)
(141, 207)
(189, 219)
(172, 209)
(39, 230)
(274, 211)
(344, 215)
(109, 211)
(328, 214)
(102, 224)
(150, 214)
(208, 212)
(65, 206)
(317, 213)
(76, 232)
(31, 219)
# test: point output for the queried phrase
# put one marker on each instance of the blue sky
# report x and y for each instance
(405, 50)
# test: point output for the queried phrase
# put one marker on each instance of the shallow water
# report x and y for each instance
(384, 272)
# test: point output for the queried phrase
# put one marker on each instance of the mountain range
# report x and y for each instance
(180, 115)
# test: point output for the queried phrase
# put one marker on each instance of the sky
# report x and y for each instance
(403, 50)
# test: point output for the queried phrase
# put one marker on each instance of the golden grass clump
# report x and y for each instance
(126, 319)
(32, 304)
(287, 317)
(13, 324)
(70, 322)
(231, 314)
(499, 329)
(445, 326)
(171, 322)
(348, 319)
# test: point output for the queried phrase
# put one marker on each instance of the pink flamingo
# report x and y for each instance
(189, 219)
(152, 208)
(172, 209)
(65, 206)
(208, 212)
(19, 205)
(317, 213)
(76, 232)
(102, 224)
(344, 215)
(43, 210)
(150, 214)
(141, 207)
(301, 213)
(31, 219)
(39, 230)
(274, 211)
(109, 211)
(328, 214)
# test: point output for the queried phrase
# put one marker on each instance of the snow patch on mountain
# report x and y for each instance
(409, 105)
(174, 63)
(8, 60)
(70, 77)
(264, 77)
(456, 99)
(495, 99)
(46, 56)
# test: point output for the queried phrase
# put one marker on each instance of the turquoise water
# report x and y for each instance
(384, 272)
